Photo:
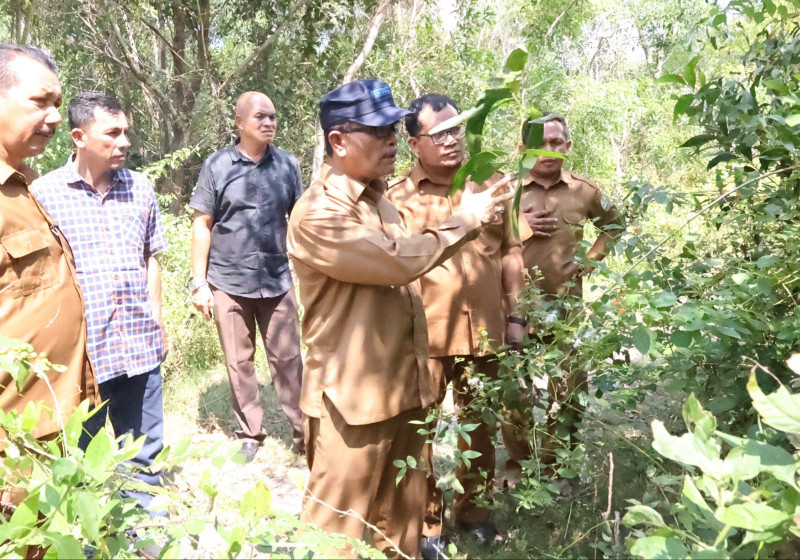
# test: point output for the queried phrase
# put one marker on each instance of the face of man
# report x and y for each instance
(366, 152)
(555, 139)
(28, 111)
(447, 155)
(104, 142)
(257, 122)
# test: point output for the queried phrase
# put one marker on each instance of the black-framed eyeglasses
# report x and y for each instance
(379, 132)
(457, 133)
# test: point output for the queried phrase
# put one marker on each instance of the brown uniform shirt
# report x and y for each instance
(464, 294)
(364, 322)
(573, 200)
(40, 303)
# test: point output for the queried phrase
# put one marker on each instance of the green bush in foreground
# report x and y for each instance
(72, 504)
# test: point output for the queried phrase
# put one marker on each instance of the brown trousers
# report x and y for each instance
(563, 391)
(352, 469)
(277, 320)
(452, 368)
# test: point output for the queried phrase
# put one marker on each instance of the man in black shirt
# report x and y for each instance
(239, 266)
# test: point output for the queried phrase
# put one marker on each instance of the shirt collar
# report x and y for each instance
(565, 178)
(237, 155)
(73, 177)
(349, 186)
(6, 172)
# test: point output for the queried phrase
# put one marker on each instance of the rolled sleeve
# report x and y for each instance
(203, 197)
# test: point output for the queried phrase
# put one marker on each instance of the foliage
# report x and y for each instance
(68, 501)
(739, 496)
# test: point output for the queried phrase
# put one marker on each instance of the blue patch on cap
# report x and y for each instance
(380, 92)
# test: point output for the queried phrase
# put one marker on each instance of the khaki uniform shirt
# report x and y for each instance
(464, 295)
(40, 303)
(364, 322)
(573, 200)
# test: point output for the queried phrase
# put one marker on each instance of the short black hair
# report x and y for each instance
(82, 106)
(436, 101)
(10, 51)
(548, 115)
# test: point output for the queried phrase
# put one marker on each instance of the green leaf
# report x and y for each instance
(64, 546)
(682, 105)
(767, 261)
(697, 141)
(670, 78)
(399, 463)
(491, 99)
(455, 121)
(26, 513)
(642, 515)
(780, 409)
(697, 505)
(411, 462)
(87, 508)
(740, 277)
(516, 60)
(688, 71)
(720, 158)
(642, 339)
(686, 449)
(778, 86)
(793, 120)
(729, 332)
(98, 452)
(681, 339)
(656, 548)
(752, 516)
(478, 168)
(702, 423)
(256, 502)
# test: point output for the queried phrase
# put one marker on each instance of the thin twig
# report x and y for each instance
(352, 513)
(610, 483)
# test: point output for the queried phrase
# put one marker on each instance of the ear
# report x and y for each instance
(569, 144)
(413, 143)
(78, 137)
(337, 141)
(237, 121)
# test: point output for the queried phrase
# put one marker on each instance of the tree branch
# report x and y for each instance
(373, 27)
(290, 16)
(555, 21)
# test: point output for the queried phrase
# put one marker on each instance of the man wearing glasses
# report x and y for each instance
(366, 374)
(467, 298)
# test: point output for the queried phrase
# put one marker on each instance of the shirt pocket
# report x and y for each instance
(26, 265)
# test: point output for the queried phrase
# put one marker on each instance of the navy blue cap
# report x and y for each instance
(368, 102)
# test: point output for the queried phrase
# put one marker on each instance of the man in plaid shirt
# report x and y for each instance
(110, 217)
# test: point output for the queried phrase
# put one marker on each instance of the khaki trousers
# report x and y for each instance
(278, 322)
(476, 487)
(352, 469)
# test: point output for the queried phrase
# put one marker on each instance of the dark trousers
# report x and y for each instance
(277, 320)
(134, 407)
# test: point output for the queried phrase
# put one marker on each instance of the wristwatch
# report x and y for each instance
(523, 321)
(195, 285)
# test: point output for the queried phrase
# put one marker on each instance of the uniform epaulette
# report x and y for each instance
(585, 180)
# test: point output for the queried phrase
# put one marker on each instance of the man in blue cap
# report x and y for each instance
(366, 376)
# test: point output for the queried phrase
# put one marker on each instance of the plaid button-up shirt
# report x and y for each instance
(112, 236)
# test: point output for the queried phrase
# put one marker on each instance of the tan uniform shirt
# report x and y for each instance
(40, 302)
(364, 322)
(464, 294)
(573, 200)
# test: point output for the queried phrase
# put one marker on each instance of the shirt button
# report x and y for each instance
(116, 277)
(108, 228)
(111, 251)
